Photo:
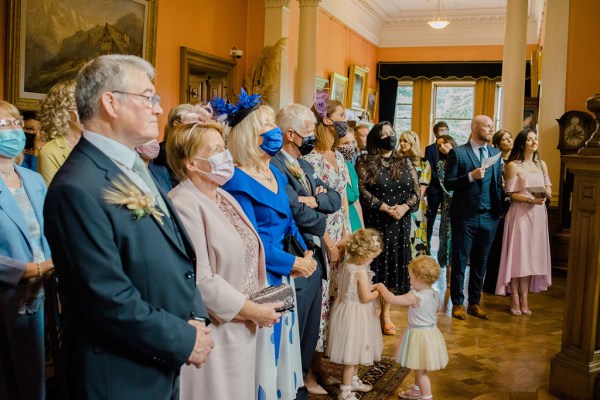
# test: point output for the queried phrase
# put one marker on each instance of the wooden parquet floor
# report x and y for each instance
(504, 353)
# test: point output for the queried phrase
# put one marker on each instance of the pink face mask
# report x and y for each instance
(221, 167)
(148, 151)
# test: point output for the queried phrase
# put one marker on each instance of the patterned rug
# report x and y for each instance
(386, 376)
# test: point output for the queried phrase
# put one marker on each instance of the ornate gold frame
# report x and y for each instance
(355, 73)
(14, 82)
(335, 82)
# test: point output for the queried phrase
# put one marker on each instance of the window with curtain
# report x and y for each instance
(404, 104)
(454, 103)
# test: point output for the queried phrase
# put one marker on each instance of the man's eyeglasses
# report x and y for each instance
(153, 100)
(8, 122)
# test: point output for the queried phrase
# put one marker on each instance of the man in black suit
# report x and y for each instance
(434, 190)
(132, 314)
(310, 200)
(474, 213)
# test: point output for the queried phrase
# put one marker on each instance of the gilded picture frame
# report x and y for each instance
(371, 103)
(41, 54)
(338, 84)
(357, 88)
(322, 83)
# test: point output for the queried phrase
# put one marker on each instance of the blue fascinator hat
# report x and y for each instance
(233, 114)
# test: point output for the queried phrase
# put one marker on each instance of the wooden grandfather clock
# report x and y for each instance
(575, 128)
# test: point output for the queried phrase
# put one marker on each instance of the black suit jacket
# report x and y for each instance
(433, 156)
(310, 221)
(467, 195)
(127, 286)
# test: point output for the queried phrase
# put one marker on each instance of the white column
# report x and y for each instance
(513, 65)
(554, 79)
(277, 26)
(307, 53)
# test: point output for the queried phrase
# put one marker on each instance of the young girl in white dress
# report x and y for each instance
(422, 347)
(354, 334)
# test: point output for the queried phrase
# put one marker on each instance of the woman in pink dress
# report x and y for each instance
(525, 261)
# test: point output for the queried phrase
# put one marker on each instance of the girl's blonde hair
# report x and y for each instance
(54, 109)
(415, 145)
(242, 139)
(326, 138)
(364, 243)
(425, 269)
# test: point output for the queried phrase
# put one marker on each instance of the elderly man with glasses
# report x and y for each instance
(131, 312)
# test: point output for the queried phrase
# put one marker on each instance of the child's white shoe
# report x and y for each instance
(346, 393)
(359, 386)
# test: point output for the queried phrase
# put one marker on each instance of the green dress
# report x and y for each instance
(352, 193)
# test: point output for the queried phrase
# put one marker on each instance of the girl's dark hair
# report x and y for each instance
(447, 139)
(518, 151)
(497, 138)
(373, 162)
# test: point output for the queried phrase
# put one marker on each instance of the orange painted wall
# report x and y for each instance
(583, 59)
(339, 47)
(445, 53)
(187, 24)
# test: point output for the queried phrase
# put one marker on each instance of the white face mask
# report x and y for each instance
(221, 167)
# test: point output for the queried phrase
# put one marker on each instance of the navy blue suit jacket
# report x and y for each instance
(433, 156)
(310, 221)
(127, 286)
(467, 195)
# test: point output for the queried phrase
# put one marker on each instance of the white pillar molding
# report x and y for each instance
(277, 26)
(513, 65)
(307, 53)
(277, 3)
(554, 80)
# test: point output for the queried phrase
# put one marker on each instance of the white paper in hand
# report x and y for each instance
(488, 162)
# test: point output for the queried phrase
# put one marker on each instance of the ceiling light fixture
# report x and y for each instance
(439, 21)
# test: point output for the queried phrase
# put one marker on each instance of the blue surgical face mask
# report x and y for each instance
(12, 142)
(272, 141)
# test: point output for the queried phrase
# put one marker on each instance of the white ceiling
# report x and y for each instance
(403, 23)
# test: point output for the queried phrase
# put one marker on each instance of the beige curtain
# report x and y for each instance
(485, 96)
(421, 110)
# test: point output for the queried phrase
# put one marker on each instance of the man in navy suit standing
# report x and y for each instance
(132, 314)
(434, 190)
(474, 213)
(310, 200)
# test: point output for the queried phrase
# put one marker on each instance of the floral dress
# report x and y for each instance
(445, 252)
(418, 223)
(336, 178)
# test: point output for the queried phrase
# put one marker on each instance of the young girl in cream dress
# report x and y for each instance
(354, 334)
(422, 347)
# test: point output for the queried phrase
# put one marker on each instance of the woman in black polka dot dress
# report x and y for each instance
(389, 192)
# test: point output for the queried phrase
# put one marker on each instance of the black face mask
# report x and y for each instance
(308, 144)
(341, 128)
(388, 143)
(29, 140)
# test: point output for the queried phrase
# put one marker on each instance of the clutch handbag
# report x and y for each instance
(292, 246)
(272, 294)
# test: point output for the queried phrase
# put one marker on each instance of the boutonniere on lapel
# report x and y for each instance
(123, 192)
(295, 170)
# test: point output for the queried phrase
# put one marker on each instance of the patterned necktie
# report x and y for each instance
(303, 178)
(140, 168)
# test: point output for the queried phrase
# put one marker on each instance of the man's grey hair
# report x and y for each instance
(294, 116)
(103, 74)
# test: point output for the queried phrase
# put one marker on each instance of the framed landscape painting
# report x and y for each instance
(338, 87)
(357, 89)
(41, 53)
(371, 103)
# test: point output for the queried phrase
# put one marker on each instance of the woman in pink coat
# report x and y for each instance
(230, 265)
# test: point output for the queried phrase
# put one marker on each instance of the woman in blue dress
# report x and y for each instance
(24, 259)
(260, 189)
